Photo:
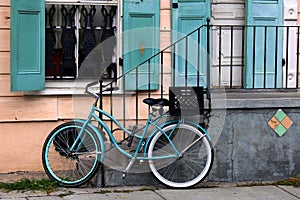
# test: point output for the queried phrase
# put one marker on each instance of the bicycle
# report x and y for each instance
(178, 151)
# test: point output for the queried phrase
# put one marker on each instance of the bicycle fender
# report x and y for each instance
(158, 128)
(193, 124)
(200, 127)
(97, 133)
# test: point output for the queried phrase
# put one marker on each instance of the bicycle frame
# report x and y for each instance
(156, 123)
(158, 128)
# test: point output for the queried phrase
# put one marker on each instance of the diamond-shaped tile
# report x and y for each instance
(287, 122)
(280, 115)
(280, 122)
(280, 130)
(273, 123)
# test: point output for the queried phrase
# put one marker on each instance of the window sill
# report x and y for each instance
(66, 87)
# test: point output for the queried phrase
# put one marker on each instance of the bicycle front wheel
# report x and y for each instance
(69, 159)
(180, 156)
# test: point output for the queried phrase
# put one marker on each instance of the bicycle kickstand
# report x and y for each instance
(128, 167)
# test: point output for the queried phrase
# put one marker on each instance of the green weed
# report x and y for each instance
(44, 185)
(289, 181)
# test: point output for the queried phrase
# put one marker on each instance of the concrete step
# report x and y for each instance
(113, 177)
(114, 165)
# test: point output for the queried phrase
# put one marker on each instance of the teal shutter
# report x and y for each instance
(188, 15)
(140, 42)
(264, 44)
(27, 45)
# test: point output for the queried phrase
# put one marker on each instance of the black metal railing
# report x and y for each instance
(255, 57)
(141, 86)
(225, 56)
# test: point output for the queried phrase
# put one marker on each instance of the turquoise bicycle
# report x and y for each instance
(178, 151)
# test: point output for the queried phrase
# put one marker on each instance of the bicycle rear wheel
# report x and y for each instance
(192, 164)
(71, 167)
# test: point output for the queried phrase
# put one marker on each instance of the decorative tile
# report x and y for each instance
(280, 130)
(280, 123)
(287, 122)
(280, 115)
(273, 123)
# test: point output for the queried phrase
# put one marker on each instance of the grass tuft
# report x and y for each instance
(289, 181)
(44, 185)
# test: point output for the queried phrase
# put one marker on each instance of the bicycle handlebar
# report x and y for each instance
(111, 89)
(95, 83)
(90, 85)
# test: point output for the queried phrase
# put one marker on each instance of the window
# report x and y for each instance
(68, 30)
(72, 32)
(59, 37)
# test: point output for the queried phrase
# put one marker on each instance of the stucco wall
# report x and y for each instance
(249, 150)
(26, 119)
(298, 12)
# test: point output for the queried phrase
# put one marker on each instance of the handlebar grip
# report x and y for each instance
(89, 85)
(95, 83)
(112, 89)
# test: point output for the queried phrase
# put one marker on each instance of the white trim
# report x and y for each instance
(64, 87)
(290, 16)
(69, 87)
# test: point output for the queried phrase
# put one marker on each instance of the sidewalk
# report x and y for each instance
(151, 193)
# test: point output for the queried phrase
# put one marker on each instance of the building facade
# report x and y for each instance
(35, 98)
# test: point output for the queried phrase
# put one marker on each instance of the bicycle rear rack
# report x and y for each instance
(190, 101)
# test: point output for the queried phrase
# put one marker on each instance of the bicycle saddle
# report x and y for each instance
(157, 102)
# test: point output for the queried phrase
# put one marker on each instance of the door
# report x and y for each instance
(190, 55)
(264, 43)
(140, 42)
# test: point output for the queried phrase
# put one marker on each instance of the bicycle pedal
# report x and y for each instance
(124, 175)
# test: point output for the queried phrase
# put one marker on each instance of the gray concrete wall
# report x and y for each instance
(249, 150)
(245, 147)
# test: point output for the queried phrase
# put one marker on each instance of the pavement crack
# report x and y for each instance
(287, 192)
(159, 195)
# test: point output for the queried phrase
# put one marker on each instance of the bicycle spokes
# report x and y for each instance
(185, 169)
(68, 158)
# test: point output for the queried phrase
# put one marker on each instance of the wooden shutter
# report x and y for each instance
(188, 15)
(27, 45)
(264, 44)
(140, 42)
